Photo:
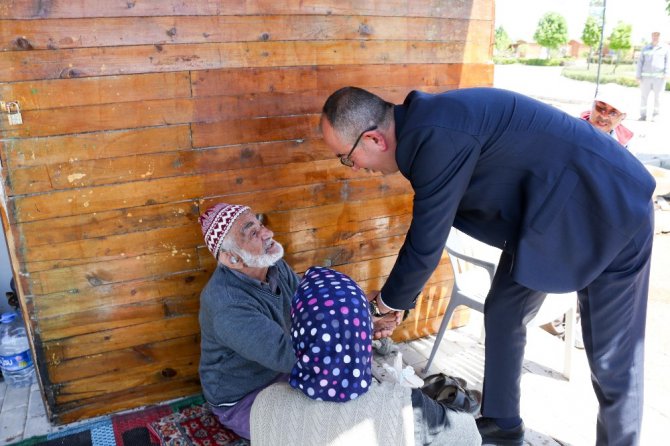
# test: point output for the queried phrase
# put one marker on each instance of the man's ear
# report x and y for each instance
(622, 117)
(379, 140)
(230, 260)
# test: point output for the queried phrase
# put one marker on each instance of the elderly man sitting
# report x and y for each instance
(606, 114)
(244, 314)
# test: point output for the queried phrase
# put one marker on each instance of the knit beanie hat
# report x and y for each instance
(216, 221)
(331, 333)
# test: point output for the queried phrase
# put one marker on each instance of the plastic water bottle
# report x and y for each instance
(15, 361)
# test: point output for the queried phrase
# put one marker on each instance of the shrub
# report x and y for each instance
(543, 62)
(621, 79)
(504, 60)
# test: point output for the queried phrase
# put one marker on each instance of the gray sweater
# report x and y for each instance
(244, 326)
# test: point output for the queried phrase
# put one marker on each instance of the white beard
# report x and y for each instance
(263, 260)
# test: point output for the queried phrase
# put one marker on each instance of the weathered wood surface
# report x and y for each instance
(40, 9)
(140, 115)
(51, 34)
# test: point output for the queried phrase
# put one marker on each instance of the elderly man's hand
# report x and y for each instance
(383, 326)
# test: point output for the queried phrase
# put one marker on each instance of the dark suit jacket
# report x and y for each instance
(561, 196)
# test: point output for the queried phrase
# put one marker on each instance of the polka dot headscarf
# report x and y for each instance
(330, 329)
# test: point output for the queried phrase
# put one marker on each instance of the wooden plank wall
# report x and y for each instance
(140, 114)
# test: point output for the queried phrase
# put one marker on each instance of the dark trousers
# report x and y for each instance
(613, 314)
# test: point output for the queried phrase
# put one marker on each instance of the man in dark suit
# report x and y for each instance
(569, 209)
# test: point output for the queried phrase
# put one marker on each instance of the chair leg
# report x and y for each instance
(453, 303)
(570, 320)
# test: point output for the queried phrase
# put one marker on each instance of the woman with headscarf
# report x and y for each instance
(330, 398)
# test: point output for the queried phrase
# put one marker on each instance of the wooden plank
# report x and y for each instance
(328, 78)
(240, 81)
(125, 337)
(145, 218)
(254, 105)
(120, 293)
(92, 118)
(160, 353)
(305, 219)
(347, 253)
(237, 131)
(87, 62)
(28, 9)
(427, 327)
(165, 190)
(129, 237)
(184, 367)
(177, 240)
(61, 93)
(333, 77)
(115, 116)
(140, 396)
(123, 115)
(41, 95)
(345, 232)
(107, 223)
(118, 317)
(54, 34)
(371, 274)
(82, 173)
(29, 152)
(99, 273)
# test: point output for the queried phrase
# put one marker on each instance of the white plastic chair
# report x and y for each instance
(474, 264)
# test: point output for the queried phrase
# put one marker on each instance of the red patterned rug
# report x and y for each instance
(193, 426)
(187, 422)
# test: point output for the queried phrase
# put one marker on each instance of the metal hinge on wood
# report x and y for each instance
(13, 111)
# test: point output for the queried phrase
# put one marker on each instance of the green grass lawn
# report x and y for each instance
(624, 74)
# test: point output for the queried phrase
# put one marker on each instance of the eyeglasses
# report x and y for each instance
(604, 110)
(346, 159)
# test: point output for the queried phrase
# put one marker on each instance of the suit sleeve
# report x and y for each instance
(440, 168)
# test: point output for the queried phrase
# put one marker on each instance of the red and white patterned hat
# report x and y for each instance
(217, 221)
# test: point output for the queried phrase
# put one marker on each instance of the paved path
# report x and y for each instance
(574, 97)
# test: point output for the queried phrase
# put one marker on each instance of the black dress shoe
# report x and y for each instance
(492, 435)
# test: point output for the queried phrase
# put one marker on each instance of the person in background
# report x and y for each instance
(607, 114)
(653, 68)
(330, 398)
(244, 314)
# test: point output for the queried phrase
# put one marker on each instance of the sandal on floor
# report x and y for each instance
(458, 398)
(434, 383)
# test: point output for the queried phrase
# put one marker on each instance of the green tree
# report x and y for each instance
(620, 40)
(591, 36)
(552, 31)
(502, 41)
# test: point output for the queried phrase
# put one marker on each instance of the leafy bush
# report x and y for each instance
(542, 62)
(504, 60)
(626, 79)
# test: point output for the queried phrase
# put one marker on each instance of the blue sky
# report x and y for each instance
(520, 17)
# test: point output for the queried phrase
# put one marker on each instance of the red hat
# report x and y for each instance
(216, 221)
